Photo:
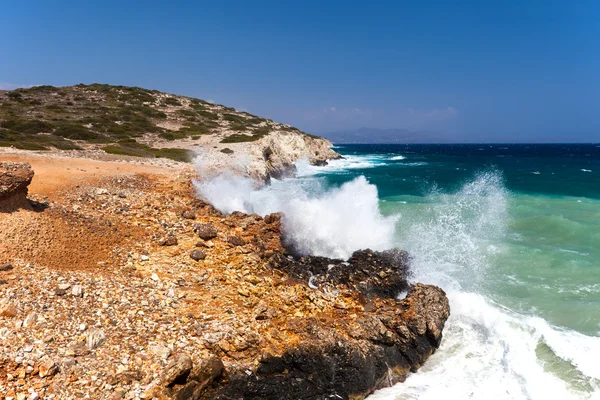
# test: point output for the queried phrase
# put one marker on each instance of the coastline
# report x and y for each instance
(112, 289)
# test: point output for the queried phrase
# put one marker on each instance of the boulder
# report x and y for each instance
(14, 180)
(206, 231)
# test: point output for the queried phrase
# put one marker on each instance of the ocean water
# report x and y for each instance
(510, 232)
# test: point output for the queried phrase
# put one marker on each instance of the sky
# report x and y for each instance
(474, 71)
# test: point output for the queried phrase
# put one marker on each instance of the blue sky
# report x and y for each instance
(476, 71)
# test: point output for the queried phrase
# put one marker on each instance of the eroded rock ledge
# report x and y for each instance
(14, 180)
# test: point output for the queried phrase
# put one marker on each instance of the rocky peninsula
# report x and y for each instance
(117, 282)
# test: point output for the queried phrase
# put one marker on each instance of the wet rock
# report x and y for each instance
(385, 347)
(177, 370)
(236, 241)
(380, 273)
(197, 255)
(206, 231)
(271, 218)
(168, 241)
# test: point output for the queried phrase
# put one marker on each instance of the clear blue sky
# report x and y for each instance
(481, 70)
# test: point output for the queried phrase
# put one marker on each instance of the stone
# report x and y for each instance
(95, 338)
(47, 367)
(168, 241)
(30, 321)
(154, 277)
(236, 241)
(8, 311)
(144, 257)
(160, 350)
(64, 286)
(206, 231)
(77, 291)
(197, 255)
(6, 267)
(34, 396)
(176, 370)
(14, 180)
(188, 214)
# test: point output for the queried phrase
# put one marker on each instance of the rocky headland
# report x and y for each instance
(116, 282)
(127, 123)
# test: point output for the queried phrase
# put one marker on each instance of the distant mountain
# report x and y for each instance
(373, 135)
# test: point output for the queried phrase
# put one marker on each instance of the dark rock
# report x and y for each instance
(383, 349)
(236, 241)
(197, 255)
(176, 371)
(206, 231)
(271, 218)
(60, 292)
(168, 241)
(380, 273)
(6, 267)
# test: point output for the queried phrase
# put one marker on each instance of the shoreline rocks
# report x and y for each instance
(244, 319)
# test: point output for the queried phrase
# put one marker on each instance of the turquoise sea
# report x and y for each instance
(510, 232)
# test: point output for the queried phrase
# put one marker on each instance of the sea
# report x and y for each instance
(511, 232)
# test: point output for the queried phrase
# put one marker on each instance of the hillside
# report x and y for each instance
(132, 121)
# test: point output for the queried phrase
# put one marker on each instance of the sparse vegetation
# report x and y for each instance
(112, 117)
(227, 150)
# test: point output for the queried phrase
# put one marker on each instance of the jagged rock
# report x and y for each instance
(47, 367)
(30, 320)
(177, 370)
(371, 272)
(168, 241)
(206, 231)
(14, 180)
(383, 348)
(197, 255)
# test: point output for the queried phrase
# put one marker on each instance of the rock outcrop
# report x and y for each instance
(14, 180)
(222, 312)
(273, 156)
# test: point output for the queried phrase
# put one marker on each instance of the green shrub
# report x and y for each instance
(227, 150)
(240, 138)
(15, 96)
(171, 101)
(27, 126)
(75, 132)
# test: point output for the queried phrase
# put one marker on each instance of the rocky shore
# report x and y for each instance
(116, 283)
